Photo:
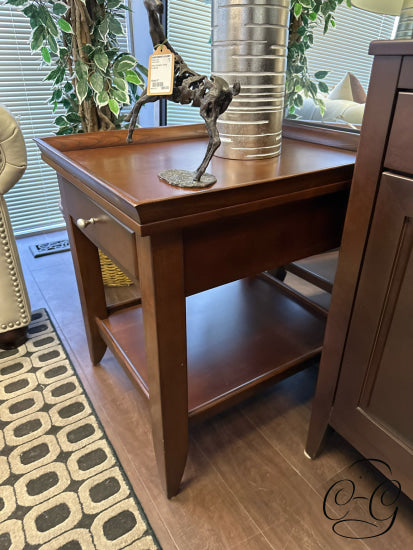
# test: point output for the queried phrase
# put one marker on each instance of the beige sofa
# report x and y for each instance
(14, 302)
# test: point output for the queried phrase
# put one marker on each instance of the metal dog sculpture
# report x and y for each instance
(213, 95)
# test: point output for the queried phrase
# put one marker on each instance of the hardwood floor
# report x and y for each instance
(247, 483)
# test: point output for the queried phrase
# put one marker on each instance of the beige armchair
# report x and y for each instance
(14, 302)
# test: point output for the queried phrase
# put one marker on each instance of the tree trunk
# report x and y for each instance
(82, 17)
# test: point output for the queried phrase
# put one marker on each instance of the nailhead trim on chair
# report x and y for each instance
(23, 318)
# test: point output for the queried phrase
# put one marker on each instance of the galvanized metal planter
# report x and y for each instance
(249, 45)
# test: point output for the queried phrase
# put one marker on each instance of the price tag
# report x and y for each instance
(161, 72)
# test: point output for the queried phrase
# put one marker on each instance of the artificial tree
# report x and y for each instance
(305, 15)
(92, 78)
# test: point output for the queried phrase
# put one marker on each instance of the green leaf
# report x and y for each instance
(30, 10)
(96, 81)
(298, 100)
(103, 28)
(46, 54)
(326, 22)
(114, 106)
(120, 84)
(68, 87)
(124, 65)
(16, 2)
(115, 26)
(313, 16)
(112, 53)
(65, 26)
(81, 70)
(63, 130)
(101, 60)
(298, 8)
(38, 36)
(313, 89)
(53, 74)
(297, 68)
(122, 97)
(43, 13)
(133, 78)
(142, 69)
(289, 86)
(325, 8)
(48, 21)
(322, 109)
(128, 57)
(74, 118)
(59, 8)
(60, 76)
(102, 98)
(112, 4)
(60, 121)
(57, 95)
(322, 86)
(35, 21)
(52, 43)
(306, 3)
(88, 49)
(319, 75)
(63, 53)
(81, 90)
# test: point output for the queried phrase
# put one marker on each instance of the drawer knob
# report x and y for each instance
(82, 223)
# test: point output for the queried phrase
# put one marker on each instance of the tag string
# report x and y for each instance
(160, 45)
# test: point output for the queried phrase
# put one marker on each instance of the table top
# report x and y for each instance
(128, 174)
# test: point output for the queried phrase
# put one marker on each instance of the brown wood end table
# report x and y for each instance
(208, 332)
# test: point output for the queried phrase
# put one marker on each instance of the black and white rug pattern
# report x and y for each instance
(61, 485)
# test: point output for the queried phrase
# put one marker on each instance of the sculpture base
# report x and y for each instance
(185, 178)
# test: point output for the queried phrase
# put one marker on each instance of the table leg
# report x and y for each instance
(160, 260)
(89, 281)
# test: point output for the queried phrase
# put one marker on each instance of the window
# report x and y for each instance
(189, 32)
(343, 49)
(34, 202)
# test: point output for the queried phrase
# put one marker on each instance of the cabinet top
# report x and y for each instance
(127, 175)
(391, 47)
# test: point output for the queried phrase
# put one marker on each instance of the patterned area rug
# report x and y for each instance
(62, 487)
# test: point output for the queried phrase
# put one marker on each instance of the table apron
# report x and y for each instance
(243, 246)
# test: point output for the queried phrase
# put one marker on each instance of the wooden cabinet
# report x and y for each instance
(369, 366)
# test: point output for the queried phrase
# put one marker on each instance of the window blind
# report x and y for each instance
(33, 202)
(189, 32)
(345, 48)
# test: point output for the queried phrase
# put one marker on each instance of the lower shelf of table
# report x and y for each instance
(240, 337)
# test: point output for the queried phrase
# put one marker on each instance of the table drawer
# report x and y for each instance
(398, 156)
(112, 237)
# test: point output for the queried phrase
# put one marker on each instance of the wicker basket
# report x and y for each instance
(111, 274)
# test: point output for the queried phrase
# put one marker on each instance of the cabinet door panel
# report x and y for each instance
(374, 402)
